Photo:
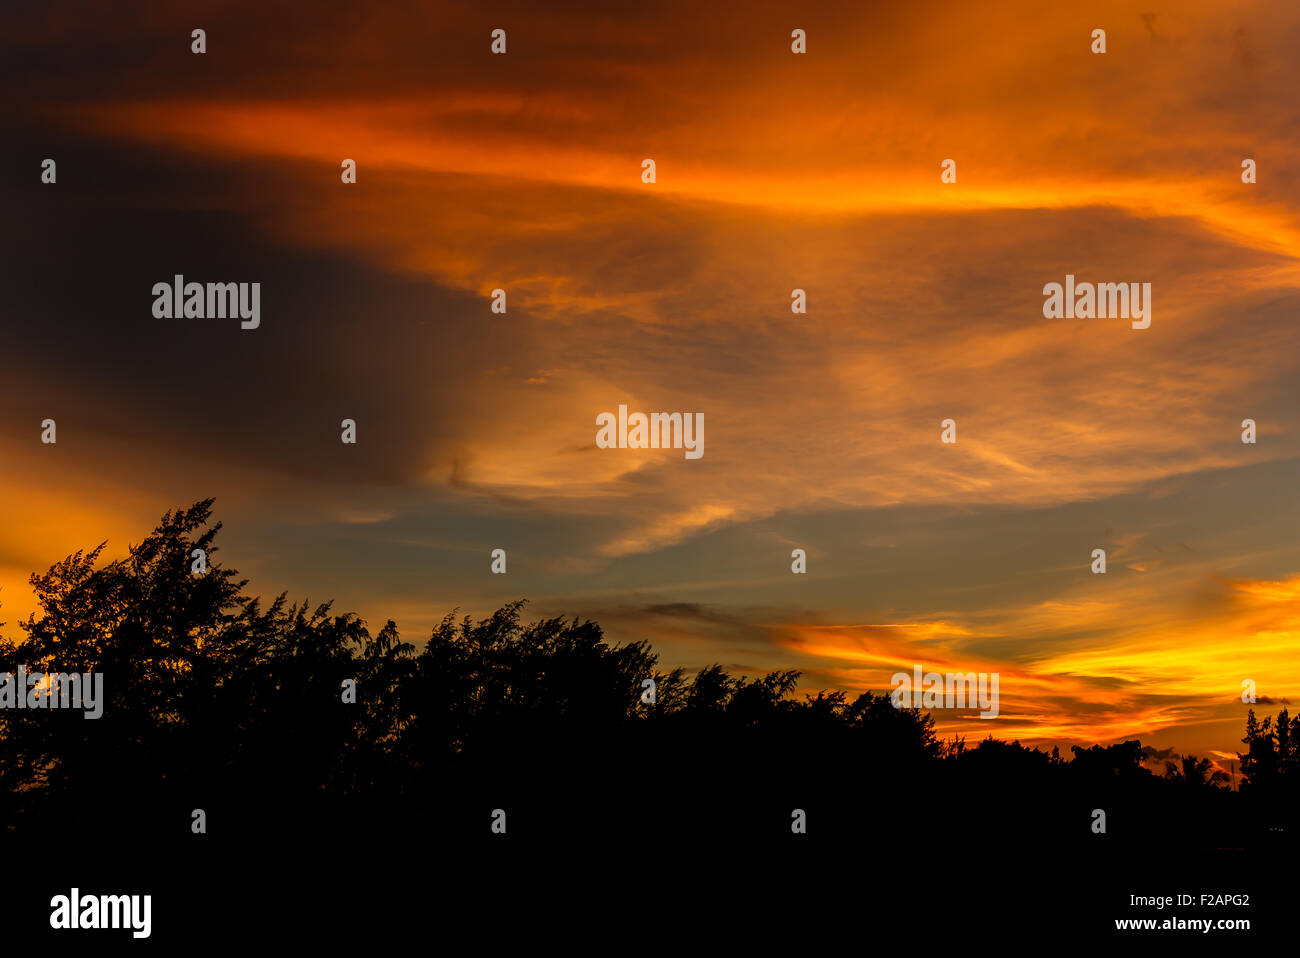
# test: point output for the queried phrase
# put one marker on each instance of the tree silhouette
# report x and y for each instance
(1270, 771)
(215, 700)
(1195, 773)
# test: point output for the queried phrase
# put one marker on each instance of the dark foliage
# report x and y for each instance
(219, 703)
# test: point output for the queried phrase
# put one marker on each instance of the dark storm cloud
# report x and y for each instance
(338, 338)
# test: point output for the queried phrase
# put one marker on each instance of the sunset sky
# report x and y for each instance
(775, 171)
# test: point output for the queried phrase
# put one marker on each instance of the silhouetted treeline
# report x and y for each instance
(217, 701)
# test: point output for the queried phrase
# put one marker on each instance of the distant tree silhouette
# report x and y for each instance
(1122, 760)
(217, 701)
(1195, 773)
